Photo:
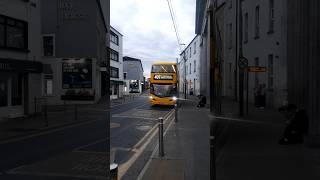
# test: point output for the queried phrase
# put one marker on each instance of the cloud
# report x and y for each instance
(147, 29)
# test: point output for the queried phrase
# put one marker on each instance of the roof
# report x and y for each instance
(189, 44)
(163, 62)
(127, 58)
(113, 29)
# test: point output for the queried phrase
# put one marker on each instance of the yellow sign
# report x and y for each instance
(256, 69)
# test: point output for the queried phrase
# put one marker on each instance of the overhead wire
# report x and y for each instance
(172, 14)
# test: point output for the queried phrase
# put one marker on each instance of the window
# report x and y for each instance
(48, 45)
(48, 84)
(114, 38)
(186, 69)
(124, 75)
(190, 69)
(256, 75)
(257, 24)
(114, 55)
(16, 90)
(194, 66)
(195, 48)
(114, 72)
(13, 33)
(271, 16)
(3, 91)
(230, 4)
(190, 52)
(270, 71)
(230, 35)
(246, 33)
(2, 32)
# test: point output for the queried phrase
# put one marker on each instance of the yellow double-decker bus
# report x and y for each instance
(163, 83)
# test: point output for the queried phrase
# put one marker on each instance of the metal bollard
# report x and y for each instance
(113, 171)
(161, 148)
(176, 112)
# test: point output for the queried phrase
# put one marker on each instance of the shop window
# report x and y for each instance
(3, 92)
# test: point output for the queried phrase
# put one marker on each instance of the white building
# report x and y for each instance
(264, 44)
(189, 66)
(20, 57)
(116, 64)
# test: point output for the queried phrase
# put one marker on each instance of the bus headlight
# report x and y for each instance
(174, 98)
(150, 97)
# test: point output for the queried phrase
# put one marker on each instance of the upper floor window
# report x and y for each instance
(190, 69)
(246, 24)
(271, 16)
(190, 52)
(229, 28)
(124, 75)
(230, 4)
(194, 66)
(195, 48)
(114, 55)
(13, 33)
(48, 45)
(114, 72)
(114, 38)
(257, 23)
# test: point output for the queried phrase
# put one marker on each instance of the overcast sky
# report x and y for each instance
(147, 29)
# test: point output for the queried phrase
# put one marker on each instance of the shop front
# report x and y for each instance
(19, 81)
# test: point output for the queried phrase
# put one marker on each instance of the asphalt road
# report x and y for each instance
(79, 151)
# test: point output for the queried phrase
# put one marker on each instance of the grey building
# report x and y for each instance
(20, 59)
(133, 75)
(75, 41)
(264, 44)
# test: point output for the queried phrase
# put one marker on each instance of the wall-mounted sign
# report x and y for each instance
(21, 66)
(256, 69)
(163, 77)
(76, 74)
(69, 10)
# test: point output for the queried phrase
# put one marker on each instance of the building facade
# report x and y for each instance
(75, 46)
(303, 63)
(20, 57)
(116, 64)
(263, 42)
(133, 75)
(189, 74)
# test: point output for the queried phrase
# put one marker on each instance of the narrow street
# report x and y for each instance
(79, 150)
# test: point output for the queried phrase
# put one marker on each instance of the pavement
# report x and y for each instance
(245, 148)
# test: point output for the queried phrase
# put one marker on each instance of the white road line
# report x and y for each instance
(143, 171)
(123, 168)
(244, 120)
(46, 132)
(95, 142)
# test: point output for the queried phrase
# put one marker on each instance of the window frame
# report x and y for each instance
(271, 17)
(53, 44)
(257, 23)
(116, 53)
(246, 28)
(111, 70)
(114, 40)
(24, 32)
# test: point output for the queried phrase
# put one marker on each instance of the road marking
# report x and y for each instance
(46, 132)
(245, 120)
(95, 142)
(123, 168)
(146, 166)
(114, 125)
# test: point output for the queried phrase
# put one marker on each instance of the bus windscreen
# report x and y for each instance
(163, 69)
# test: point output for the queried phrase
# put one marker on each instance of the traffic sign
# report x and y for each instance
(256, 69)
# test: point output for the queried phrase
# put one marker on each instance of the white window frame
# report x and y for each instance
(54, 44)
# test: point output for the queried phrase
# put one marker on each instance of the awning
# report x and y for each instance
(20, 66)
(116, 82)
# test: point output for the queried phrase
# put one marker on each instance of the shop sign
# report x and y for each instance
(77, 73)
